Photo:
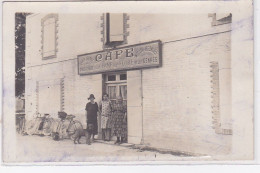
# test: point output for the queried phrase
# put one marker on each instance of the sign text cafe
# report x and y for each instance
(130, 57)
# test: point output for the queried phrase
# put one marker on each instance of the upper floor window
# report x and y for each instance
(220, 18)
(49, 36)
(114, 29)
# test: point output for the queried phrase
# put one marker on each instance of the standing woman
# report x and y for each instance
(105, 109)
(120, 121)
(92, 109)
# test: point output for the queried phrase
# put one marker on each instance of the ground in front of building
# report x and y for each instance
(44, 149)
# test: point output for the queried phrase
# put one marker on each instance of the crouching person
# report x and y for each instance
(91, 109)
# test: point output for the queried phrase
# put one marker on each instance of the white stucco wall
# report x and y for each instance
(176, 103)
(177, 98)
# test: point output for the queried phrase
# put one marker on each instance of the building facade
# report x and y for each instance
(172, 70)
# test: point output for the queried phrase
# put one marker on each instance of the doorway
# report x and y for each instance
(116, 86)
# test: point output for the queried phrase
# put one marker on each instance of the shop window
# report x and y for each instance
(116, 85)
(123, 77)
(123, 91)
(111, 78)
(220, 18)
(49, 38)
(114, 29)
(112, 92)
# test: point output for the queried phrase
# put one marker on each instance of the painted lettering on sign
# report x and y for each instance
(131, 57)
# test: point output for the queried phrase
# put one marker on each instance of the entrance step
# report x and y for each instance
(113, 143)
(141, 148)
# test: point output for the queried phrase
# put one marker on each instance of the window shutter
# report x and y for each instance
(116, 27)
(49, 39)
(106, 28)
(49, 97)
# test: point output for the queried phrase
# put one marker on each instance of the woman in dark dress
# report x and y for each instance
(120, 121)
(92, 109)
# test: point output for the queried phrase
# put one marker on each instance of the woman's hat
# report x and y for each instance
(91, 96)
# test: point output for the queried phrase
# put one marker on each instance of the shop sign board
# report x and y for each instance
(145, 55)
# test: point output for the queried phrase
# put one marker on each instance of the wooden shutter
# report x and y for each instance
(49, 39)
(116, 27)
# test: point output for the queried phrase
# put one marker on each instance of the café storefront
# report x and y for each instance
(113, 64)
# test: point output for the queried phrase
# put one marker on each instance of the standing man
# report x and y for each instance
(105, 109)
(92, 109)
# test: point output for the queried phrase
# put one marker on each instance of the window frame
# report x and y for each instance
(117, 83)
(117, 78)
(44, 19)
(106, 31)
(222, 21)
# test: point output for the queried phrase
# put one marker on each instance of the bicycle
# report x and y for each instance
(66, 127)
(40, 125)
(20, 123)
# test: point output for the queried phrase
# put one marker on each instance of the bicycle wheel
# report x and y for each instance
(47, 126)
(21, 125)
(30, 127)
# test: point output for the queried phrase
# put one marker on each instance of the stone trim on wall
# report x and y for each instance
(103, 30)
(215, 103)
(126, 26)
(55, 16)
(62, 99)
(37, 96)
(222, 21)
(102, 25)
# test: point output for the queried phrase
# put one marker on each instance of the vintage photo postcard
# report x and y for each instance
(127, 82)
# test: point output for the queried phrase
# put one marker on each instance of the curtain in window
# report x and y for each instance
(123, 91)
(112, 92)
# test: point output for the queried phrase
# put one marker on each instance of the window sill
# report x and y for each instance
(216, 23)
(48, 57)
(114, 44)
